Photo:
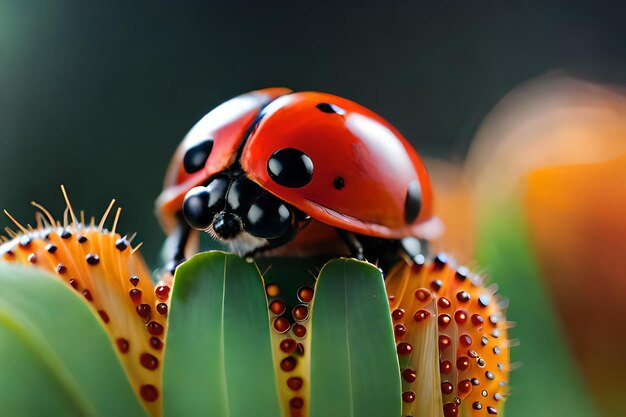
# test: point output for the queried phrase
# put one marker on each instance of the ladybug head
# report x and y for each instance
(230, 207)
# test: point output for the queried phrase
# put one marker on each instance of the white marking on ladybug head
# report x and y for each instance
(243, 243)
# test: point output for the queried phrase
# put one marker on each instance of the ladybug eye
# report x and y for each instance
(196, 208)
(413, 202)
(268, 218)
(290, 167)
(217, 189)
(196, 156)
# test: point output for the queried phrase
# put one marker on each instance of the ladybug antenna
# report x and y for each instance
(22, 228)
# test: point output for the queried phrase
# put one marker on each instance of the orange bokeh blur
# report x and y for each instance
(556, 149)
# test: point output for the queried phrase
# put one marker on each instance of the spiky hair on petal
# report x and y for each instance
(111, 276)
(451, 338)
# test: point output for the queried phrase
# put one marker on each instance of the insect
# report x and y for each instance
(276, 172)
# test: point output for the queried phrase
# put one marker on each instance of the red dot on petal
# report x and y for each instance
(149, 361)
(277, 307)
(404, 348)
(296, 402)
(444, 342)
(294, 383)
(450, 410)
(421, 315)
(465, 386)
(422, 294)
(162, 292)
(155, 328)
(447, 388)
(288, 364)
(122, 345)
(462, 363)
(397, 314)
(465, 340)
(445, 367)
(460, 316)
(409, 375)
(408, 396)
(281, 324)
(288, 345)
(399, 330)
(299, 330)
(149, 393)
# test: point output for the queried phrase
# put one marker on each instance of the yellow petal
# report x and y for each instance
(291, 347)
(114, 280)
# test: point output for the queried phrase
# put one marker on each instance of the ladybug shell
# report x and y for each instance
(366, 177)
(227, 125)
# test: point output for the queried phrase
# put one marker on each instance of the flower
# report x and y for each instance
(103, 268)
(227, 340)
(452, 339)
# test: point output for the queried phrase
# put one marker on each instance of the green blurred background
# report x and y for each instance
(97, 95)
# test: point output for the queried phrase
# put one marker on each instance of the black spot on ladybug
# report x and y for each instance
(413, 202)
(196, 156)
(330, 108)
(290, 167)
(339, 183)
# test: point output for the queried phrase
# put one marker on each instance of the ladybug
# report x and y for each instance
(277, 172)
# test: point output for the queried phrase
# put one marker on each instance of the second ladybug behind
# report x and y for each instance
(275, 172)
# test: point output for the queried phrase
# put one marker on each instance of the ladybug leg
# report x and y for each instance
(414, 248)
(176, 244)
(355, 247)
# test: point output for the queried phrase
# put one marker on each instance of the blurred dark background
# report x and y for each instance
(97, 96)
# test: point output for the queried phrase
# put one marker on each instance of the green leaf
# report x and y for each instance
(218, 358)
(55, 356)
(354, 365)
(548, 369)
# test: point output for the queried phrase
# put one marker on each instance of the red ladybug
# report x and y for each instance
(277, 172)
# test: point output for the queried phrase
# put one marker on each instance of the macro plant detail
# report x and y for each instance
(452, 338)
(104, 269)
(296, 322)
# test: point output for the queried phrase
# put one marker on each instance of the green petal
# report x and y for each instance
(218, 358)
(55, 356)
(354, 366)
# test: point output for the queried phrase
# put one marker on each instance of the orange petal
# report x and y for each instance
(451, 338)
(114, 280)
(548, 122)
(577, 218)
